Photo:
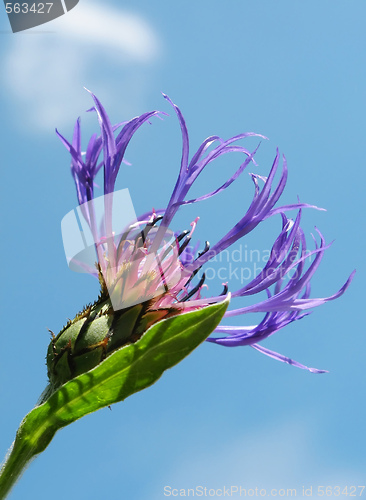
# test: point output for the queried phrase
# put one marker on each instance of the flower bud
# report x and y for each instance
(95, 333)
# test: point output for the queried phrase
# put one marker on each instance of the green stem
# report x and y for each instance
(30, 440)
(22, 451)
(19, 456)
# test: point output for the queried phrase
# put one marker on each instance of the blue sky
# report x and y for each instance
(223, 417)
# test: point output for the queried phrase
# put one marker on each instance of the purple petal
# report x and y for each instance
(285, 359)
(185, 138)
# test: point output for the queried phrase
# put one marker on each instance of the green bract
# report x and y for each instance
(95, 333)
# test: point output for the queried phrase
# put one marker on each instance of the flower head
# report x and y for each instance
(150, 265)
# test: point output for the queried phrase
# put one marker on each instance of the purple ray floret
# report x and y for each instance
(286, 276)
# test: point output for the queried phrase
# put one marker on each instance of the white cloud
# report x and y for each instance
(110, 51)
(113, 30)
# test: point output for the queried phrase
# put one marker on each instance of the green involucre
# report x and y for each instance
(95, 333)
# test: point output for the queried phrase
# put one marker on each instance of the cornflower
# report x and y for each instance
(149, 273)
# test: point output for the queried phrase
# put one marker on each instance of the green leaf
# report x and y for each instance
(126, 371)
